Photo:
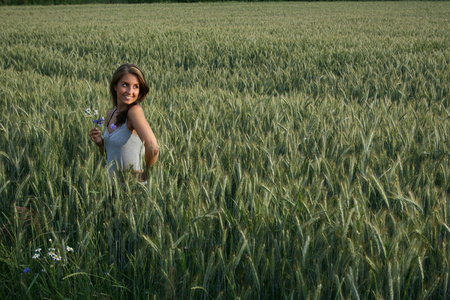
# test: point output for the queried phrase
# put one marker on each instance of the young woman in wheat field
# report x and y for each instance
(128, 136)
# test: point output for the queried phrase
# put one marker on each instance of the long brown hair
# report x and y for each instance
(143, 88)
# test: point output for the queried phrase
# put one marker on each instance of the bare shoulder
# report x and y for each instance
(137, 118)
(136, 109)
(136, 112)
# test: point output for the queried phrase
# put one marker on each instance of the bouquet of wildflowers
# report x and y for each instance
(94, 113)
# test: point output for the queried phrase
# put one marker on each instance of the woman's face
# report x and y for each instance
(127, 90)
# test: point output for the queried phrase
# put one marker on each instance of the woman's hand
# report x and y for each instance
(96, 136)
(141, 175)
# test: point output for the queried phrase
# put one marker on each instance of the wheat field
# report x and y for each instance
(304, 152)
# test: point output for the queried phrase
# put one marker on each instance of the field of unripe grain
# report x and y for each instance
(304, 152)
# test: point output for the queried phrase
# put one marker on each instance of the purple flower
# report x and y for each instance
(27, 270)
(113, 126)
(100, 121)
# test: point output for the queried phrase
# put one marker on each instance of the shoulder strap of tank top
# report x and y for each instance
(107, 124)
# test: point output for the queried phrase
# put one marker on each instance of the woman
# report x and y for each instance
(127, 129)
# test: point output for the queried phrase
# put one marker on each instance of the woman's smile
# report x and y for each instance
(127, 90)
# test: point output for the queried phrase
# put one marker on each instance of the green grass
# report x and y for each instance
(304, 152)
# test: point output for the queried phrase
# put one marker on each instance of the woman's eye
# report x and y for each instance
(136, 86)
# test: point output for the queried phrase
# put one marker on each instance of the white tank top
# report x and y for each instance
(124, 149)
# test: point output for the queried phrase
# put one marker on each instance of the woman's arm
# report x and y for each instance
(138, 123)
(96, 136)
